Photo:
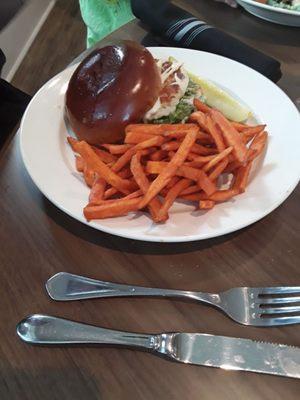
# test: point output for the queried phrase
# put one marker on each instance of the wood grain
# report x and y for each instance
(38, 240)
(60, 40)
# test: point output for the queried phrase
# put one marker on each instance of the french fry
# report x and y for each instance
(194, 196)
(158, 155)
(201, 106)
(192, 156)
(202, 150)
(159, 129)
(172, 195)
(196, 148)
(79, 163)
(172, 182)
(206, 204)
(199, 161)
(231, 135)
(200, 118)
(147, 152)
(100, 168)
(247, 137)
(218, 196)
(126, 157)
(72, 142)
(249, 133)
(156, 167)
(191, 189)
(216, 134)
(238, 126)
(125, 173)
(217, 159)
(223, 195)
(134, 185)
(112, 209)
(164, 177)
(89, 176)
(117, 148)
(97, 191)
(244, 127)
(241, 178)
(217, 171)
(202, 137)
(104, 155)
(133, 195)
(142, 181)
(231, 158)
(257, 145)
(133, 137)
(110, 192)
(205, 183)
(232, 166)
(199, 176)
(171, 146)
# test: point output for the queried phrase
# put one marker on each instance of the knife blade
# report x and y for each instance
(224, 352)
(235, 354)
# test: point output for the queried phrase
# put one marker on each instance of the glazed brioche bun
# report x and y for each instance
(113, 87)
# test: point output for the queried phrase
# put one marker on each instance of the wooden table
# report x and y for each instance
(38, 240)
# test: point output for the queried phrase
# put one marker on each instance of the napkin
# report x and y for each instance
(13, 103)
(178, 27)
(2, 60)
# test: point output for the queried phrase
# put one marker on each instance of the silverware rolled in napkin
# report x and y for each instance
(190, 348)
(265, 306)
(231, 3)
(177, 27)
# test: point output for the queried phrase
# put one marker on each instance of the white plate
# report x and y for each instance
(50, 161)
(278, 15)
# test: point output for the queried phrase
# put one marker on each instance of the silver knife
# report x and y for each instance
(191, 348)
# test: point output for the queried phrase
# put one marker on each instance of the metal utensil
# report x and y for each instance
(266, 306)
(190, 348)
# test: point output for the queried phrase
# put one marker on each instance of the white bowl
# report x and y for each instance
(273, 14)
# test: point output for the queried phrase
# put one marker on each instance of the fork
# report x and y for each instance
(265, 306)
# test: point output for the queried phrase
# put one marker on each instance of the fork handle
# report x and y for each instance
(64, 286)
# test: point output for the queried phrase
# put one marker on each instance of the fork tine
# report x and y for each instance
(280, 310)
(278, 300)
(279, 290)
(294, 319)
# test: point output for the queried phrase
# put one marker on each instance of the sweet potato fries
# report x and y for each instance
(158, 164)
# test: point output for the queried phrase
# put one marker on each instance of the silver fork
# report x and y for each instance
(266, 306)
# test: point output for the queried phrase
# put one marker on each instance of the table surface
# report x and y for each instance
(38, 240)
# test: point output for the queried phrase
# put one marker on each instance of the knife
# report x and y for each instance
(190, 348)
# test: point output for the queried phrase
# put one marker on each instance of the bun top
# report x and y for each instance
(113, 87)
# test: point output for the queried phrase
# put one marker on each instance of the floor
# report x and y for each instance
(60, 40)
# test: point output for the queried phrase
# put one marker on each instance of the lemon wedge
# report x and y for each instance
(217, 98)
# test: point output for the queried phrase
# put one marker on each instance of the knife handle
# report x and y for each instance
(44, 329)
(64, 286)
